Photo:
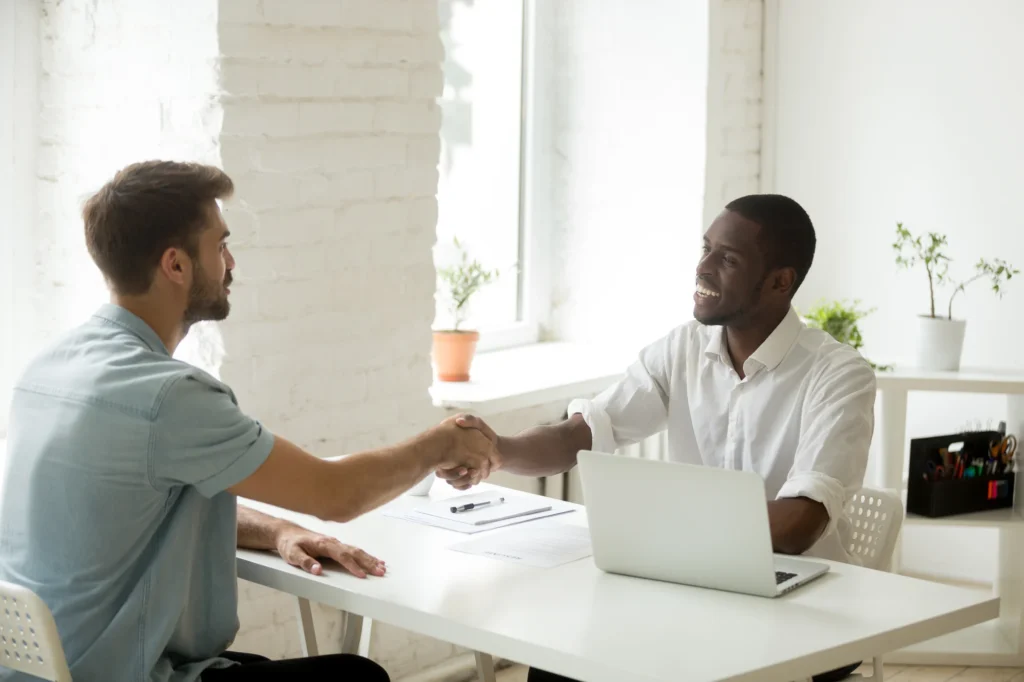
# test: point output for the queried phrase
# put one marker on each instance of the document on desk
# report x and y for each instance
(541, 545)
(515, 510)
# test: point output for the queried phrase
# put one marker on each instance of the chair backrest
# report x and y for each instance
(28, 636)
(876, 518)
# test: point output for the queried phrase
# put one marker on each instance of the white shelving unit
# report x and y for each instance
(999, 642)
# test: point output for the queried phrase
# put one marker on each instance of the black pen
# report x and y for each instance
(476, 505)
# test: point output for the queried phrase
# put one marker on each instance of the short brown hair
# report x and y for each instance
(144, 210)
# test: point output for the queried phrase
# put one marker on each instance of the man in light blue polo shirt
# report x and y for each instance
(123, 464)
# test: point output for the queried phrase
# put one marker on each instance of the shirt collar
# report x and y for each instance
(111, 313)
(770, 353)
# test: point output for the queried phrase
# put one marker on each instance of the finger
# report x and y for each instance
(345, 554)
(452, 474)
(352, 566)
(299, 557)
(371, 564)
(461, 484)
(468, 421)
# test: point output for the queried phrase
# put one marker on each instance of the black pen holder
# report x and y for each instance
(935, 494)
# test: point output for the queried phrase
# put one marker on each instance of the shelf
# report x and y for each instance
(991, 643)
(1001, 382)
(998, 518)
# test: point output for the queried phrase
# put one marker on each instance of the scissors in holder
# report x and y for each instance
(1004, 451)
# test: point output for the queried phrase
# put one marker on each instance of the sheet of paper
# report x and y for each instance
(503, 505)
(544, 546)
(438, 522)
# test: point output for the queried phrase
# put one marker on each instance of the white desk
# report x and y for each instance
(1000, 642)
(576, 621)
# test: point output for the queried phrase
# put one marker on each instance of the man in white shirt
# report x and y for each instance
(744, 386)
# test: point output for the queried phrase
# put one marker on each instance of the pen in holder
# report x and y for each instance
(961, 473)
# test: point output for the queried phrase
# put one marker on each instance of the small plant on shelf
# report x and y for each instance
(455, 346)
(940, 337)
(929, 251)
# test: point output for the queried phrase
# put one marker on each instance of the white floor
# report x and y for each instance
(893, 673)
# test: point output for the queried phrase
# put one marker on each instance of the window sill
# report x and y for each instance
(528, 376)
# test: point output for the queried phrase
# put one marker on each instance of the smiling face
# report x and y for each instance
(732, 272)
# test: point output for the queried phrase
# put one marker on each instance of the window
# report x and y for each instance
(480, 193)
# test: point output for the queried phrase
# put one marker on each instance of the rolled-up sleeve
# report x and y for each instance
(637, 406)
(201, 438)
(837, 421)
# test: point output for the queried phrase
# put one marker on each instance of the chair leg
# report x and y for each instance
(484, 667)
(307, 633)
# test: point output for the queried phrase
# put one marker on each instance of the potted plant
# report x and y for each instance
(455, 347)
(940, 339)
(840, 319)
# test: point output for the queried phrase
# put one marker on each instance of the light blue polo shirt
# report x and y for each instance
(114, 509)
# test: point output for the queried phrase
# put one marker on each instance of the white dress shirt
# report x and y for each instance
(802, 418)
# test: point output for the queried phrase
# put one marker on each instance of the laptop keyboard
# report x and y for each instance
(782, 576)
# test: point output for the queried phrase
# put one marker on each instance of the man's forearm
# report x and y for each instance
(257, 530)
(545, 450)
(337, 490)
(364, 481)
(796, 524)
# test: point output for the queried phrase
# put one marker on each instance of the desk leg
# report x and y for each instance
(891, 455)
(878, 670)
(307, 633)
(484, 667)
(357, 635)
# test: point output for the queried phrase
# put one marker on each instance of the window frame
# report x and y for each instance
(533, 298)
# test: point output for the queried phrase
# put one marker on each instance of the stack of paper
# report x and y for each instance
(515, 509)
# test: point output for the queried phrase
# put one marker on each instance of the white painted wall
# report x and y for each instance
(909, 111)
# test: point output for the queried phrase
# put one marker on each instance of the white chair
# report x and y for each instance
(28, 636)
(875, 521)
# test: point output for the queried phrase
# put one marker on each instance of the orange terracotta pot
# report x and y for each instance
(453, 354)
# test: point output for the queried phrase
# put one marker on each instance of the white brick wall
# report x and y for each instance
(735, 86)
(331, 133)
(109, 96)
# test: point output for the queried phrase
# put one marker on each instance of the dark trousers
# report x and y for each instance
(339, 667)
(831, 676)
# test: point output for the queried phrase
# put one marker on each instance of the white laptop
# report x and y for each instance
(686, 524)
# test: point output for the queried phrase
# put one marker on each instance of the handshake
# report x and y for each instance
(467, 451)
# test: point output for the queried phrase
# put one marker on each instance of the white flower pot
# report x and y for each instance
(422, 488)
(939, 343)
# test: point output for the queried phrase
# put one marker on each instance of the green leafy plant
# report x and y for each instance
(840, 320)
(460, 282)
(928, 250)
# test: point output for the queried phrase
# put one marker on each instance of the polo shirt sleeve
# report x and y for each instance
(637, 406)
(201, 438)
(837, 421)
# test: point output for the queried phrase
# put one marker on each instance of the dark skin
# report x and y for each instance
(739, 289)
